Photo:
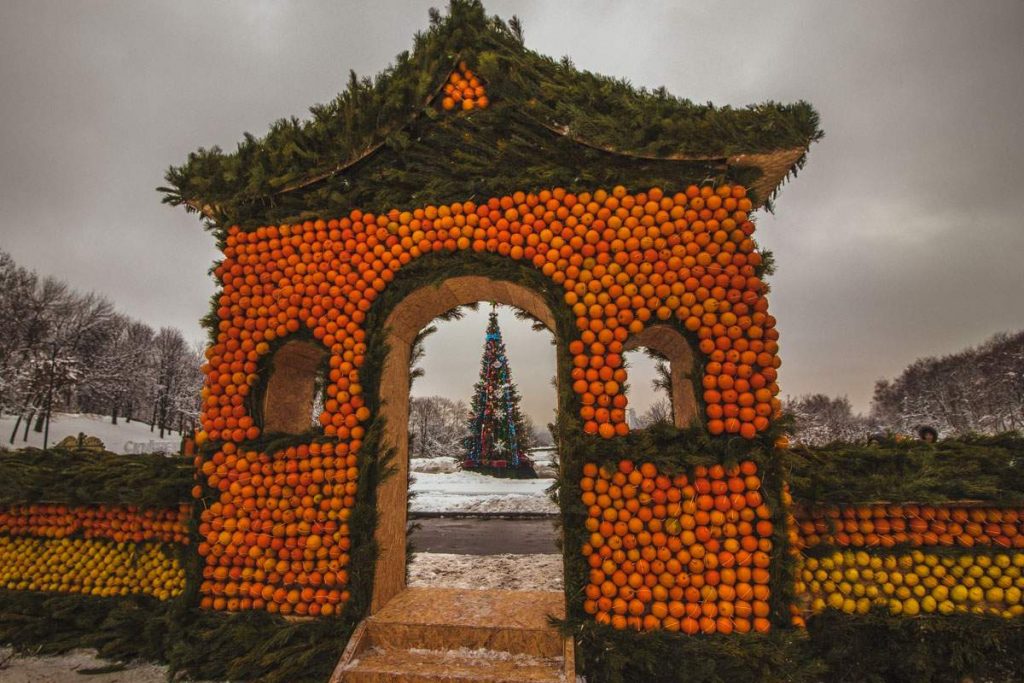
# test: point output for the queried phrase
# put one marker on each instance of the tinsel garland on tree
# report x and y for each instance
(497, 438)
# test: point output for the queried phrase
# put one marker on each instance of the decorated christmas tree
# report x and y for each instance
(497, 438)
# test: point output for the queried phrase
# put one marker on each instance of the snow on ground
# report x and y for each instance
(124, 437)
(504, 572)
(461, 491)
(74, 666)
(433, 465)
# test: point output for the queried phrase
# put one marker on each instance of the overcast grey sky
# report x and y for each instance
(899, 239)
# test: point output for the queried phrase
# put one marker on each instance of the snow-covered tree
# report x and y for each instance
(437, 427)
(980, 389)
(63, 350)
(821, 419)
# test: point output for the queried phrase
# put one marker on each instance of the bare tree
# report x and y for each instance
(980, 389)
(437, 426)
(821, 419)
(659, 412)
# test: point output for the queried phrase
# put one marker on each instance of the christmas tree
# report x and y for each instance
(497, 440)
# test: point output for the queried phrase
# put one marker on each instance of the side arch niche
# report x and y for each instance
(402, 325)
(289, 398)
(671, 344)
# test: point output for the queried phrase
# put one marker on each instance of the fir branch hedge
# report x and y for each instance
(247, 646)
(83, 478)
(381, 143)
(837, 647)
(974, 468)
(259, 646)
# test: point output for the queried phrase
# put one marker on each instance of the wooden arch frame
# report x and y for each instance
(288, 398)
(669, 342)
(404, 322)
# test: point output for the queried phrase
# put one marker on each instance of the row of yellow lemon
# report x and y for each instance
(913, 583)
(89, 567)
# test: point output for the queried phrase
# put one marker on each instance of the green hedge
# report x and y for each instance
(382, 143)
(836, 647)
(199, 645)
(988, 469)
(85, 478)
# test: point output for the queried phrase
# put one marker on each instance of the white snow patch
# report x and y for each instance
(433, 465)
(462, 491)
(485, 655)
(539, 572)
(124, 437)
(69, 666)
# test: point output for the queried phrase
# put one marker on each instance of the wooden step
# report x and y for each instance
(445, 634)
(449, 618)
(378, 665)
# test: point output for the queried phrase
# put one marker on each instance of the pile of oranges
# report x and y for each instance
(277, 537)
(89, 567)
(911, 584)
(625, 261)
(885, 525)
(678, 553)
(464, 91)
(117, 523)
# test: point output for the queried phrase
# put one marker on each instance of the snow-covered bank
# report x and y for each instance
(461, 491)
(124, 437)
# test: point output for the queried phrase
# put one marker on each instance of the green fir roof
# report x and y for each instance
(385, 142)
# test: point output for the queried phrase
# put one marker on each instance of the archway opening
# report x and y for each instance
(483, 393)
(662, 372)
(293, 398)
(403, 326)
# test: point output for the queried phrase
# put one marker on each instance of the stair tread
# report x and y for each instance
(457, 665)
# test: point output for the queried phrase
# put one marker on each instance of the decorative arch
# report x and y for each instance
(289, 397)
(670, 343)
(404, 322)
(597, 268)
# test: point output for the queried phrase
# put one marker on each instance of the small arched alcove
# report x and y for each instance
(404, 322)
(672, 345)
(289, 400)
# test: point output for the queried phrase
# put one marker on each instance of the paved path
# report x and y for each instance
(485, 536)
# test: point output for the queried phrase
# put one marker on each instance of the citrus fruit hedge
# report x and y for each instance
(277, 537)
(114, 522)
(89, 566)
(99, 524)
(678, 553)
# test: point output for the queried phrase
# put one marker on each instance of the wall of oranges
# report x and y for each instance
(114, 522)
(910, 559)
(689, 552)
(624, 260)
(274, 535)
(277, 536)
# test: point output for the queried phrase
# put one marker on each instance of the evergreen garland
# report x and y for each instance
(85, 478)
(384, 143)
(975, 468)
